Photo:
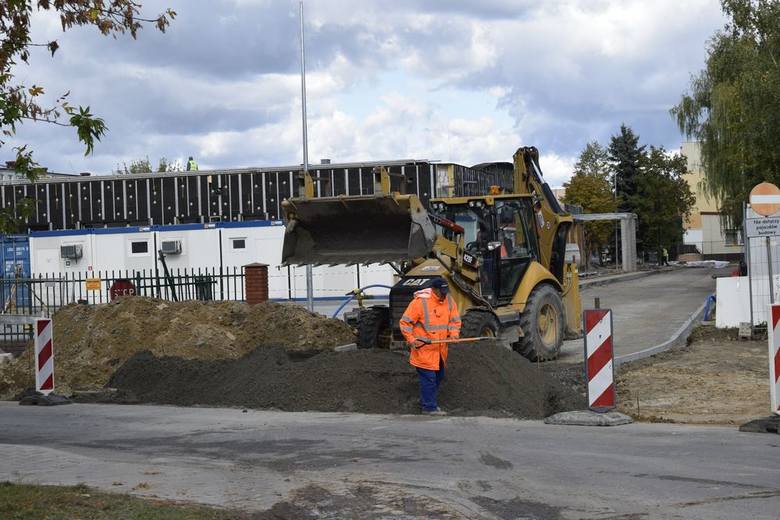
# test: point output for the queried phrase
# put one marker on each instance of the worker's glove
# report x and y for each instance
(418, 343)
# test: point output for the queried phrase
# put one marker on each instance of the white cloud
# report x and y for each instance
(456, 81)
(557, 170)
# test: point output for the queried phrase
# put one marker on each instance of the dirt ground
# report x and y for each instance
(92, 341)
(715, 379)
(484, 380)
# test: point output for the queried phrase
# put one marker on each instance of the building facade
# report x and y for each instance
(703, 229)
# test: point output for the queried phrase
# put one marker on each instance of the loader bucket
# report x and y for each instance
(360, 229)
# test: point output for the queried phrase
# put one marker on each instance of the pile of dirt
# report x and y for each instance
(484, 380)
(90, 342)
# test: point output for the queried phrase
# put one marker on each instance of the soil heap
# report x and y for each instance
(91, 341)
(482, 380)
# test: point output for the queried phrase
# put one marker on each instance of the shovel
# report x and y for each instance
(427, 341)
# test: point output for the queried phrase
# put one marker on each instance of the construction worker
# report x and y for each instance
(432, 315)
(192, 165)
(665, 256)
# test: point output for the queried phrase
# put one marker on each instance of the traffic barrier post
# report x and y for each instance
(599, 359)
(774, 358)
(44, 356)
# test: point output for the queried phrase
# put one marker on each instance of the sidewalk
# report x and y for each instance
(619, 277)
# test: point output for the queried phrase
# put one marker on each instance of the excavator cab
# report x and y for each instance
(500, 237)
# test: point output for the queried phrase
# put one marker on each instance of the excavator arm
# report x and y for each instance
(553, 225)
(552, 222)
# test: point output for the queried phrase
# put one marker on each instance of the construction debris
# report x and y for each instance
(90, 342)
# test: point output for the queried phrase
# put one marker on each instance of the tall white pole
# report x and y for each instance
(309, 272)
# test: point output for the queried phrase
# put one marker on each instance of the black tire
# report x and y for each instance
(373, 329)
(542, 341)
(479, 323)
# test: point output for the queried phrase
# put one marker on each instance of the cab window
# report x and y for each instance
(512, 234)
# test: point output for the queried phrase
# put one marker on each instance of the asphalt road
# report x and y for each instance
(646, 311)
(370, 467)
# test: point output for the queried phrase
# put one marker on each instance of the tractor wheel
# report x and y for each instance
(542, 324)
(479, 324)
(373, 330)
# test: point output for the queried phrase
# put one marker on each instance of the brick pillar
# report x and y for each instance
(256, 283)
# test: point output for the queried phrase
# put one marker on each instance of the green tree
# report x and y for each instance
(733, 106)
(165, 165)
(20, 102)
(145, 166)
(135, 166)
(663, 199)
(593, 160)
(590, 189)
(625, 154)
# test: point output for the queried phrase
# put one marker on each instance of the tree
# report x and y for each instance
(166, 165)
(663, 199)
(625, 154)
(590, 189)
(145, 166)
(733, 105)
(593, 160)
(20, 103)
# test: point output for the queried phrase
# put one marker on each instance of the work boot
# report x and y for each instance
(437, 412)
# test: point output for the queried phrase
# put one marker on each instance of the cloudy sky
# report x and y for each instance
(452, 80)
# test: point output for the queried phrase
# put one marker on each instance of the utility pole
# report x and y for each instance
(309, 271)
(617, 224)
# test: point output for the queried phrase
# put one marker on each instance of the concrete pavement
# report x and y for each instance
(307, 465)
(646, 311)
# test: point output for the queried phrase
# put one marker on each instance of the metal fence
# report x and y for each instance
(44, 294)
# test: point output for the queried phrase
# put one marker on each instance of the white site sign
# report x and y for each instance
(762, 227)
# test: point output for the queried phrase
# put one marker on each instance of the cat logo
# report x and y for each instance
(415, 282)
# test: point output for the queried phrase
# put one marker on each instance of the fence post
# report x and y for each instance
(256, 283)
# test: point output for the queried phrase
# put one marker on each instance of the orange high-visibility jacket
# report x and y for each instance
(430, 318)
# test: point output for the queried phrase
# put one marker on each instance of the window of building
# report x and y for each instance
(733, 237)
(239, 243)
(139, 247)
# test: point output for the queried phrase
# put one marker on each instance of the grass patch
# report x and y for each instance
(30, 502)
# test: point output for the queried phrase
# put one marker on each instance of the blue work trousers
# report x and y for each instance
(429, 387)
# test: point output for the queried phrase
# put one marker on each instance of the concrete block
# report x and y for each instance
(589, 418)
(5, 358)
(349, 347)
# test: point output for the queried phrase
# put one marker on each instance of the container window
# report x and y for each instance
(239, 243)
(139, 247)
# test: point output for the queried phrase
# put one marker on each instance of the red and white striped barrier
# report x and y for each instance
(599, 365)
(774, 358)
(44, 356)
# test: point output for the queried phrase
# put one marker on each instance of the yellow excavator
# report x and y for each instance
(503, 255)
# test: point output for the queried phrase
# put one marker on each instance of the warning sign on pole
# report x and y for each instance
(774, 358)
(44, 356)
(599, 364)
(765, 199)
(762, 227)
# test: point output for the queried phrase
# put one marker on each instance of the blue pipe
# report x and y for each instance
(352, 297)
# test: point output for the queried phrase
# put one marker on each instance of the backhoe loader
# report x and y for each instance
(503, 255)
